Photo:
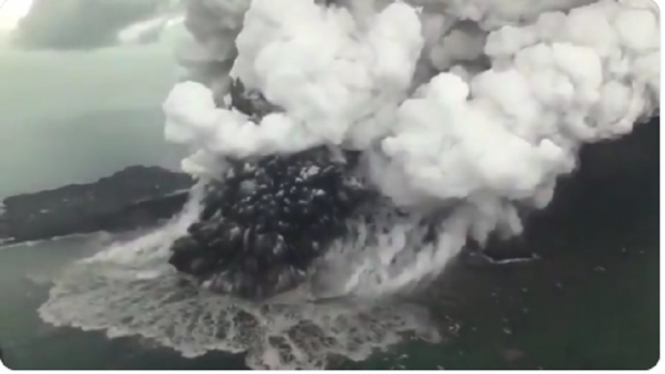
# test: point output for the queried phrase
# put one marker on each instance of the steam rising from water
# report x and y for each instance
(466, 109)
(129, 289)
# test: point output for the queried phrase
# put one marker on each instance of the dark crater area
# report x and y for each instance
(271, 217)
(261, 229)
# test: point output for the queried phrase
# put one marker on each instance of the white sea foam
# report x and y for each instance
(130, 290)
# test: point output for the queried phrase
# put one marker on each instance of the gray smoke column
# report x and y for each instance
(473, 107)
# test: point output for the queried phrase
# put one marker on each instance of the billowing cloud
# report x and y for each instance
(471, 108)
(82, 24)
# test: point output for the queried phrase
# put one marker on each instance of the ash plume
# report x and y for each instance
(470, 107)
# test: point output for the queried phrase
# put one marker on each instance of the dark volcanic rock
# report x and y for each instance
(251, 102)
(134, 197)
(268, 221)
(271, 217)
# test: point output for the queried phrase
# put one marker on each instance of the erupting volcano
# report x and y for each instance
(352, 149)
(448, 113)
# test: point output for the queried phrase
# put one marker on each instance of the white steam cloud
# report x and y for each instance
(477, 104)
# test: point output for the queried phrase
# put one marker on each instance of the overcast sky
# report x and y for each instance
(76, 104)
(76, 24)
(79, 24)
(63, 58)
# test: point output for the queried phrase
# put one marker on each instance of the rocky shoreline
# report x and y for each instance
(135, 197)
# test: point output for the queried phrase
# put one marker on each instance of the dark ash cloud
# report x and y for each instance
(80, 24)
